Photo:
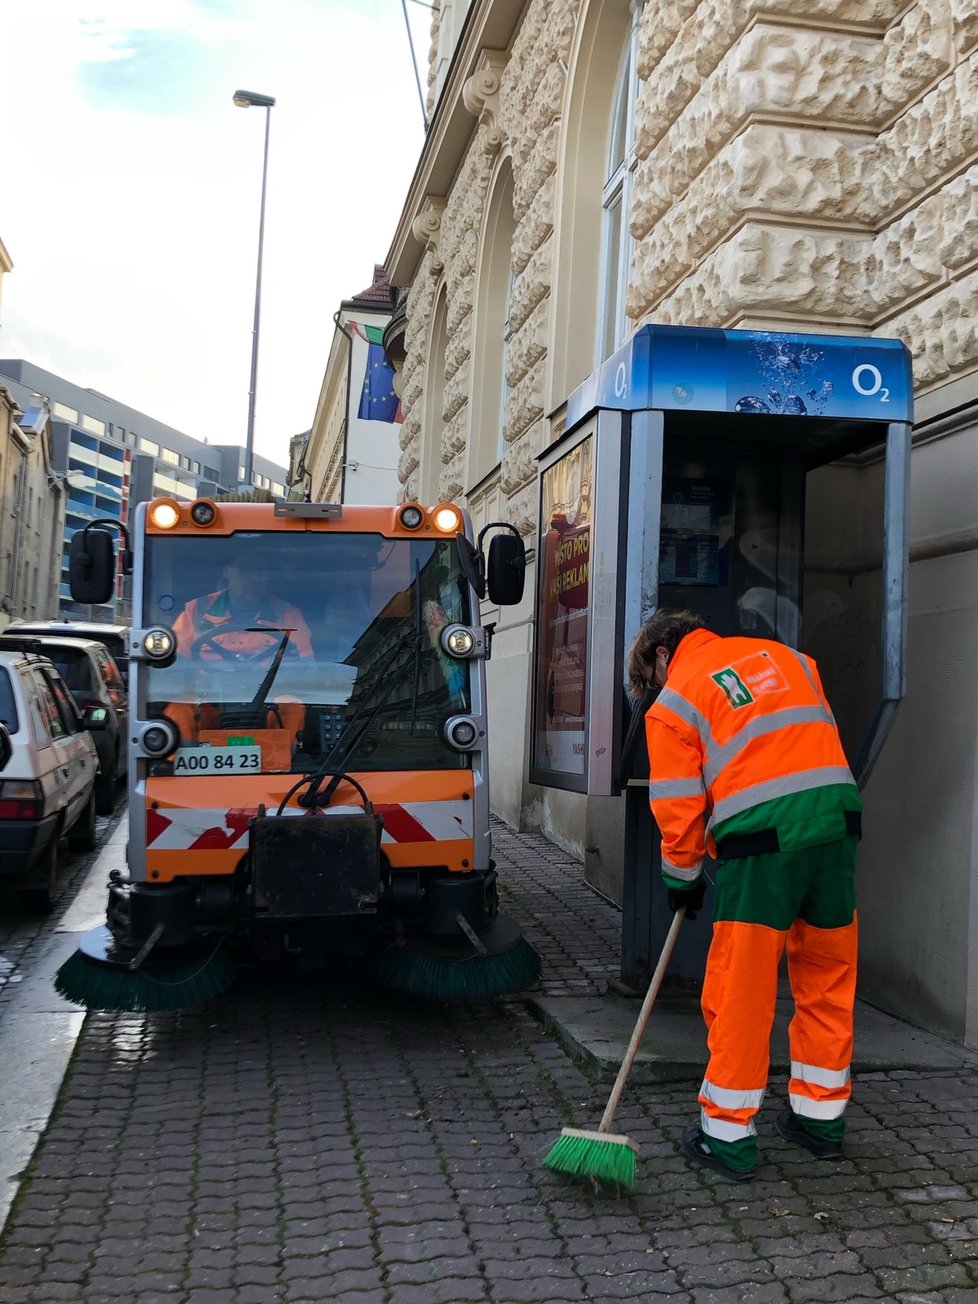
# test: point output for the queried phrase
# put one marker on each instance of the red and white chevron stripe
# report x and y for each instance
(194, 829)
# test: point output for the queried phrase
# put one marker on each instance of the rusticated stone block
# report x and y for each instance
(456, 392)
(531, 287)
(524, 405)
(964, 15)
(536, 227)
(529, 344)
(958, 231)
(538, 165)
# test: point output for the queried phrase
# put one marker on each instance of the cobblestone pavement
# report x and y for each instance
(299, 1141)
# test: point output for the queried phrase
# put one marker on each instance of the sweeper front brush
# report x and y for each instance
(499, 962)
(101, 975)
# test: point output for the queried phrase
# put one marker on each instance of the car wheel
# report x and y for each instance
(105, 790)
(82, 835)
(41, 892)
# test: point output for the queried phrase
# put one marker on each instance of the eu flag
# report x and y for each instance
(378, 402)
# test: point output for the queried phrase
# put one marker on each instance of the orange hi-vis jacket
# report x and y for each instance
(742, 741)
(212, 614)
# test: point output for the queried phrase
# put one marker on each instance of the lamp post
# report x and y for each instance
(249, 100)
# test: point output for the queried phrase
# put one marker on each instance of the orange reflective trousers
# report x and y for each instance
(803, 900)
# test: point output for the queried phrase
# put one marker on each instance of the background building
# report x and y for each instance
(595, 165)
(110, 457)
(351, 452)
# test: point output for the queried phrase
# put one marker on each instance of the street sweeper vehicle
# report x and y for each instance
(309, 773)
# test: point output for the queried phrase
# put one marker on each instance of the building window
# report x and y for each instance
(493, 330)
(147, 446)
(616, 244)
(169, 456)
(64, 412)
(93, 425)
(278, 489)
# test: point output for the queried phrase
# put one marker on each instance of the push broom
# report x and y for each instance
(604, 1155)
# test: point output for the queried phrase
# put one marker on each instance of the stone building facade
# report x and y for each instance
(595, 165)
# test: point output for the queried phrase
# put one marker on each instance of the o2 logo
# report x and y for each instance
(868, 381)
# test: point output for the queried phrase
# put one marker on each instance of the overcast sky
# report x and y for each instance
(130, 187)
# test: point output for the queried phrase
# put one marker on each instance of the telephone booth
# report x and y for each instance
(757, 478)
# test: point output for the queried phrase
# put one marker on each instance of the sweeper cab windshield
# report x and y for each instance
(289, 643)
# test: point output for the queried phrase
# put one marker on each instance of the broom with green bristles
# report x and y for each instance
(603, 1155)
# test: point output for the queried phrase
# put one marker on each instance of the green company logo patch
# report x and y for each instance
(738, 694)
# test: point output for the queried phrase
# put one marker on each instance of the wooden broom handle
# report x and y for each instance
(643, 1018)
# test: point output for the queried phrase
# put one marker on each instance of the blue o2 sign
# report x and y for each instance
(855, 377)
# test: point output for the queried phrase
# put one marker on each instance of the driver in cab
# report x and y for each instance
(241, 622)
(229, 623)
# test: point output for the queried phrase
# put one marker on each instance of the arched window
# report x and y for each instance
(492, 331)
(591, 218)
(616, 243)
(429, 471)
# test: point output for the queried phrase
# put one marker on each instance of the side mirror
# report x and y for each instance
(91, 566)
(505, 569)
(95, 717)
(6, 747)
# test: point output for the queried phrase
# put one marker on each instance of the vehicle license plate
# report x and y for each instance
(217, 760)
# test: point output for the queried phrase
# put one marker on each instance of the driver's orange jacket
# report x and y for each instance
(212, 614)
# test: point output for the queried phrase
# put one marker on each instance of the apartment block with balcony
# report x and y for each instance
(111, 457)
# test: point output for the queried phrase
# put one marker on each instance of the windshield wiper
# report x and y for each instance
(251, 715)
(343, 749)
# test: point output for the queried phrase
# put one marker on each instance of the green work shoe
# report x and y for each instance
(793, 1129)
(697, 1147)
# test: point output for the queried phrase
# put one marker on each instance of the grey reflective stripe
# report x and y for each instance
(784, 786)
(729, 1098)
(831, 1079)
(679, 705)
(662, 789)
(677, 871)
(824, 1110)
(721, 1130)
(803, 662)
(717, 761)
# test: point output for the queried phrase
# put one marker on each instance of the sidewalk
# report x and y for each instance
(301, 1141)
(578, 934)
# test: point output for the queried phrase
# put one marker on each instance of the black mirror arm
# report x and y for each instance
(126, 553)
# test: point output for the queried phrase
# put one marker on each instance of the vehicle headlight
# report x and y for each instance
(158, 643)
(411, 516)
(447, 518)
(203, 512)
(460, 641)
(164, 515)
(462, 732)
(159, 738)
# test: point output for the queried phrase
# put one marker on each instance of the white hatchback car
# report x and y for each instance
(47, 788)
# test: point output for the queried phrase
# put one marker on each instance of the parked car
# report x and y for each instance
(113, 636)
(47, 788)
(96, 685)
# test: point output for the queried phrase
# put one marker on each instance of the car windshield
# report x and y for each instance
(75, 667)
(289, 642)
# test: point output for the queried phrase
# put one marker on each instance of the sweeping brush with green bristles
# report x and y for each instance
(603, 1155)
(497, 962)
(101, 975)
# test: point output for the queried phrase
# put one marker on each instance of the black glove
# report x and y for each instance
(691, 897)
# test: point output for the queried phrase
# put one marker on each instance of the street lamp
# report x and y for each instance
(248, 100)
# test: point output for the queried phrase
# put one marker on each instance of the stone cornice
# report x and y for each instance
(490, 25)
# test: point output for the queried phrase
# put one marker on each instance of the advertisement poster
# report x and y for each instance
(562, 618)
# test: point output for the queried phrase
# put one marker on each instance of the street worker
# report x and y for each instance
(225, 624)
(746, 765)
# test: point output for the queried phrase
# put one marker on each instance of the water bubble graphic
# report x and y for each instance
(751, 403)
